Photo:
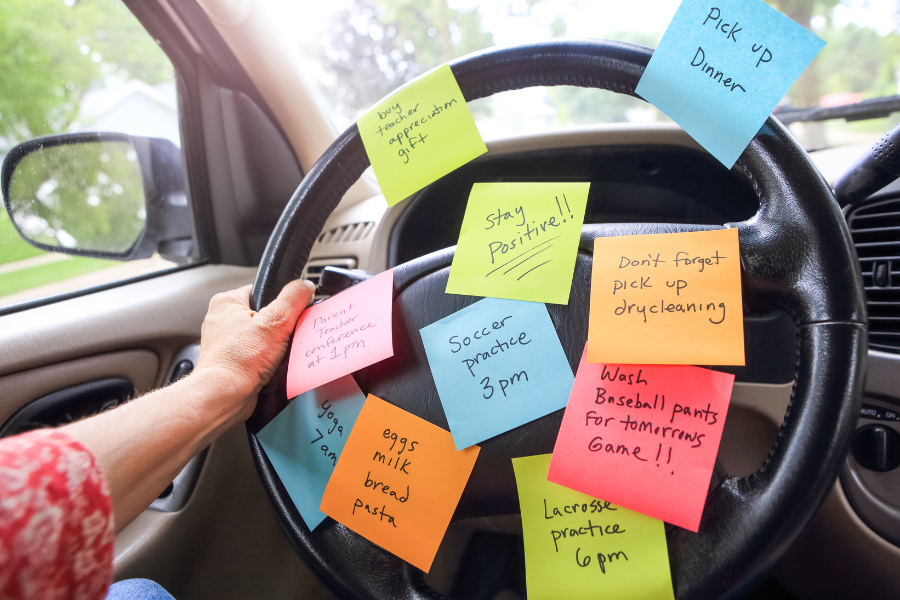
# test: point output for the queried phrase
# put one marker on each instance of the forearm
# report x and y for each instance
(143, 445)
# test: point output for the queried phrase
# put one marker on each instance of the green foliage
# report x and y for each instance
(12, 246)
(52, 53)
(859, 59)
(71, 266)
(88, 196)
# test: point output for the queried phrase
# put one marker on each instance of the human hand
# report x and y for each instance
(241, 348)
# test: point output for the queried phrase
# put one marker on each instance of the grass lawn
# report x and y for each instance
(25, 279)
(13, 247)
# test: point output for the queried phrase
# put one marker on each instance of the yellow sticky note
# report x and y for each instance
(519, 241)
(671, 298)
(579, 547)
(419, 134)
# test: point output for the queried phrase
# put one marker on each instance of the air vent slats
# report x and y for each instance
(876, 233)
(352, 232)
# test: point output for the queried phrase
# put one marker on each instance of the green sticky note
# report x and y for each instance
(419, 134)
(519, 241)
(579, 547)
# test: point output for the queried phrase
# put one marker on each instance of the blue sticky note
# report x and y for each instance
(497, 364)
(305, 440)
(722, 67)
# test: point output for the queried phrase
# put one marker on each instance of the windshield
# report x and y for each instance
(358, 51)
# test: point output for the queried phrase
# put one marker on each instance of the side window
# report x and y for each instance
(70, 67)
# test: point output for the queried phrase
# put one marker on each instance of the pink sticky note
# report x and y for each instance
(345, 333)
(644, 437)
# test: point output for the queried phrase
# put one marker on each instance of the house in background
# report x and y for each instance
(131, 107)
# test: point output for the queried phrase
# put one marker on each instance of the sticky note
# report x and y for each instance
(672, 298)
(722, 67)
(419, 134)
(519, 241)
(578, 547)
(342, 334)
(497, 364)
(644, 437)
(398, 482)
(304, 441)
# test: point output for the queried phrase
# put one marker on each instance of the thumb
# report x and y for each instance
(291, 301)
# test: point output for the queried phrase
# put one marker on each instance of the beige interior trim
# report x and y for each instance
(273, 66)
(162, 313)
(141, 367)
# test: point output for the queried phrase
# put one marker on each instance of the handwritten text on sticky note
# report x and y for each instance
(644, 437)
(519, 241)
(497, 364)
(342, 334)
(305, 440)
(722, 67)
(398, 482)
(672, 298)
(419, 134)
(576, 545)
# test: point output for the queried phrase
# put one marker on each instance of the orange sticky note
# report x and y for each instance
(644, 437)
(345, 333)
(398, 481)
(671, 298)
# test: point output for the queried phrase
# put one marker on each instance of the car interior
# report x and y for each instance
(276, 192)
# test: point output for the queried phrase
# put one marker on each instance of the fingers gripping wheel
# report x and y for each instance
(796, 255)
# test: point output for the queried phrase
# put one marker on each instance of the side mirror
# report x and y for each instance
(103, 195)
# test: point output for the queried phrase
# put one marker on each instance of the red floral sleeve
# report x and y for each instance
(56, 525)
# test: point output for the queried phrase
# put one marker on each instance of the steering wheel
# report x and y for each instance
(796, 255)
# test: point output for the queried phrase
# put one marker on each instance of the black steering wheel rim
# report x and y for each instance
(796, 255)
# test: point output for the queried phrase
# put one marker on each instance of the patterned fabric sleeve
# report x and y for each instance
(56, 523)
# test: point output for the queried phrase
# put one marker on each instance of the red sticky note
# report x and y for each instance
(345, 333)
(643, 436)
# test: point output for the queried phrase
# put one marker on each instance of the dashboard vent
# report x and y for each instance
(313, 269)
(352, 232)
(876, 232)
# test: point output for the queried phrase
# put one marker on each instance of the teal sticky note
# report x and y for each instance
(305, 440)
(722, 67)
(497, 364)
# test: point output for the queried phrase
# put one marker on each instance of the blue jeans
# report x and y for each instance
(137, 589)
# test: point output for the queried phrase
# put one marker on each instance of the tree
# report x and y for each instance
(53, 51)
